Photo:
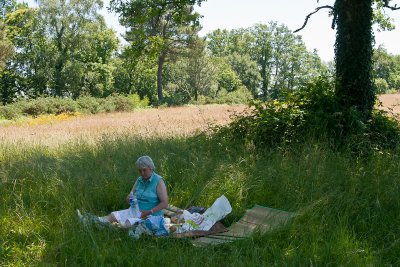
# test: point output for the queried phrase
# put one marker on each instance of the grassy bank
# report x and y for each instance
(349, 209)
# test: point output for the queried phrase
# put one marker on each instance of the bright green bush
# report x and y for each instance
(137, 102)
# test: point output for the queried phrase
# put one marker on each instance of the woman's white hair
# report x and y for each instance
(144, 162)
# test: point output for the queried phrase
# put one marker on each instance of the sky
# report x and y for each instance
(318, 33)
(231, 14)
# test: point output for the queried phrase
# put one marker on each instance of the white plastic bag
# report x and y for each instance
(219, 209)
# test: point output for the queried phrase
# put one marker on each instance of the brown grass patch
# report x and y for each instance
(162, 122)
(390, 102)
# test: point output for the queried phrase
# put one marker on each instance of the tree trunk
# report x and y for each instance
(161, 60)
(58, 81)
(353, 55)
(265, 80)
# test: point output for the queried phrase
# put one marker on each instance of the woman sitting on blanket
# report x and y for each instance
(151, 194)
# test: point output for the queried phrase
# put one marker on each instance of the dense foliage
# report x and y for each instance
(64, 49)
(280, 57)
(158, 28)
(386, 70)
(313, 113)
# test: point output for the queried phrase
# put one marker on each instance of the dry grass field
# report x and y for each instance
(166, 122)
(391, 102)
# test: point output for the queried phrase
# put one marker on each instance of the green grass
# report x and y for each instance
(349, 209)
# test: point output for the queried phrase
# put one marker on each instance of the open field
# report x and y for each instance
(391, 102)
(162, 122)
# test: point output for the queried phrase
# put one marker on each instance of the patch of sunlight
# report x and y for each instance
(41, 119)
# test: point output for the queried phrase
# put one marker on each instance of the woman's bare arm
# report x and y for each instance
(162, 195)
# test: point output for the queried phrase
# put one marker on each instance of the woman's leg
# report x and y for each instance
(109, 218)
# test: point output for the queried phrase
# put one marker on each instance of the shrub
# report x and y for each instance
(178, 98)
(121, 103)
(34, 107)
(137, 102)
(106, 105)
(88, 104)
(62, 105)
(239, 96)
(10, 112)
(313, 113)
(381, 86)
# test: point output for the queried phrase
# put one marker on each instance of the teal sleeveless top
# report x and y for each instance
(146, 193)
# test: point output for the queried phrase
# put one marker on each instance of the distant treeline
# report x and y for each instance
(64, 49)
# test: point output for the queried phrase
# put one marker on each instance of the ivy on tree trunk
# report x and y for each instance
(353, 55)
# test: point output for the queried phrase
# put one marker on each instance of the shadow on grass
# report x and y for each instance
(349, 209)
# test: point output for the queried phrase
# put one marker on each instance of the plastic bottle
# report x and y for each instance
(134, 204)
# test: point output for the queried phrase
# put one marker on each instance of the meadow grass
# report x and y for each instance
(348, 208)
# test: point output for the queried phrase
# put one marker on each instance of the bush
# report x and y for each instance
(85, 104)
(47, 105)
(381, 86)
(88, 104)
(239, 96)
(34, 107)
(121, 103)
(313, 113)
(105, 105)
(137, 102)
(10, 112)
(62, 105)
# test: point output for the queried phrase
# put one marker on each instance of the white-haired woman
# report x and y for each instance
(151, 194)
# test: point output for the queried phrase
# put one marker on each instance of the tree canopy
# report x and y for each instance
(158, 27)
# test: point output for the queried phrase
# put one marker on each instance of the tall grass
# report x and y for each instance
(348, 209)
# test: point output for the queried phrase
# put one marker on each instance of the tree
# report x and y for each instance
(158, 27)
(52, 58)
(67, 22)
(281, 57)
(353, 50)
(386, 69)
(353, 55)
(263, 51)
(34, 56)
(247, 70)
(6, 6)
(135, 74)
(6, 47)
(192, 75)
(199, 68)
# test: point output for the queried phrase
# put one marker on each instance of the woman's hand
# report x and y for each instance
(145, 213)
(127, 199)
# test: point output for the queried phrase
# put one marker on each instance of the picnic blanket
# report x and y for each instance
(263, 219)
